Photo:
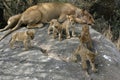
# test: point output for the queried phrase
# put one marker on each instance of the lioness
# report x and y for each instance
(36, 15)
(25, 37)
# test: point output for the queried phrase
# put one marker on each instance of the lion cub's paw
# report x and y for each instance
(95, 70)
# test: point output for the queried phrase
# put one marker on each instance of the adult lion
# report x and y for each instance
(41, 13)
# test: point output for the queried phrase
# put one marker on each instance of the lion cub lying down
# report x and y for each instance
(25, 37)
(86, 55)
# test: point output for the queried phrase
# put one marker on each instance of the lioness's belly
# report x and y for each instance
(44, 12)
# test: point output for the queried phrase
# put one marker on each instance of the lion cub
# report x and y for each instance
(85, 55)
(58, 28)
(85, 37)
(69, 24)
(25, 37)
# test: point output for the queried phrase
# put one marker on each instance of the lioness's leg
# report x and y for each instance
(62, 18)
(30, 26)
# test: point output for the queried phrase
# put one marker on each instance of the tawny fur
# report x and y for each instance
(25, 37)
(36, 15)
(58, 28)
(82, 17)
(85, 37)
(85, 55)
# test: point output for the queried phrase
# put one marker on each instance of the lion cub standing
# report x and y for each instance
(25, 37)
(58, 28)
(85, 37)
(85, 55)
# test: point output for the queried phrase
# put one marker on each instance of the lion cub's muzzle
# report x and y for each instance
(32, 37)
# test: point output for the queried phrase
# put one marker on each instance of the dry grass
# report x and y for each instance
(117, 42)
(108, 33)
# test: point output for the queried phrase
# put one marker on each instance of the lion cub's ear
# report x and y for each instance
(67, 16)
(30, 31)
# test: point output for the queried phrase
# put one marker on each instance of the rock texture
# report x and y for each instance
(34, 64)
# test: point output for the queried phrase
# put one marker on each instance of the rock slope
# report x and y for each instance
(34, 64)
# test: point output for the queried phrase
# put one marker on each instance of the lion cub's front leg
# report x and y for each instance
(54, 32)
(12, 43)
(25, 42)
(91, 58)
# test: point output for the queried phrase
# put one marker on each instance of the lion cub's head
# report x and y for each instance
(71, 19)
(31, 33)
(85, 34)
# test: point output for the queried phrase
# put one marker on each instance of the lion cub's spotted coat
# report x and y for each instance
(85, 37)
(25, 37)
(85, 55)
(58, 28)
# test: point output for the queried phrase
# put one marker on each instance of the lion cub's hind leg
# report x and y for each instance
(91, 58)
(12, 44)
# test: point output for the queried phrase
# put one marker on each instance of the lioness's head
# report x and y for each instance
(85, 16)
(31, 33)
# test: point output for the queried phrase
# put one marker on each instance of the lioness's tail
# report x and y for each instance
(12, 30)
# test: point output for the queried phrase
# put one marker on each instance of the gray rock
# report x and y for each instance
(16, 64)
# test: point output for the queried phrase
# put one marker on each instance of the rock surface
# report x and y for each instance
(17, 64)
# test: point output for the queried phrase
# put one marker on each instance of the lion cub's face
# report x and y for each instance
(71, 19)
(54, 23)
(31, 33)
